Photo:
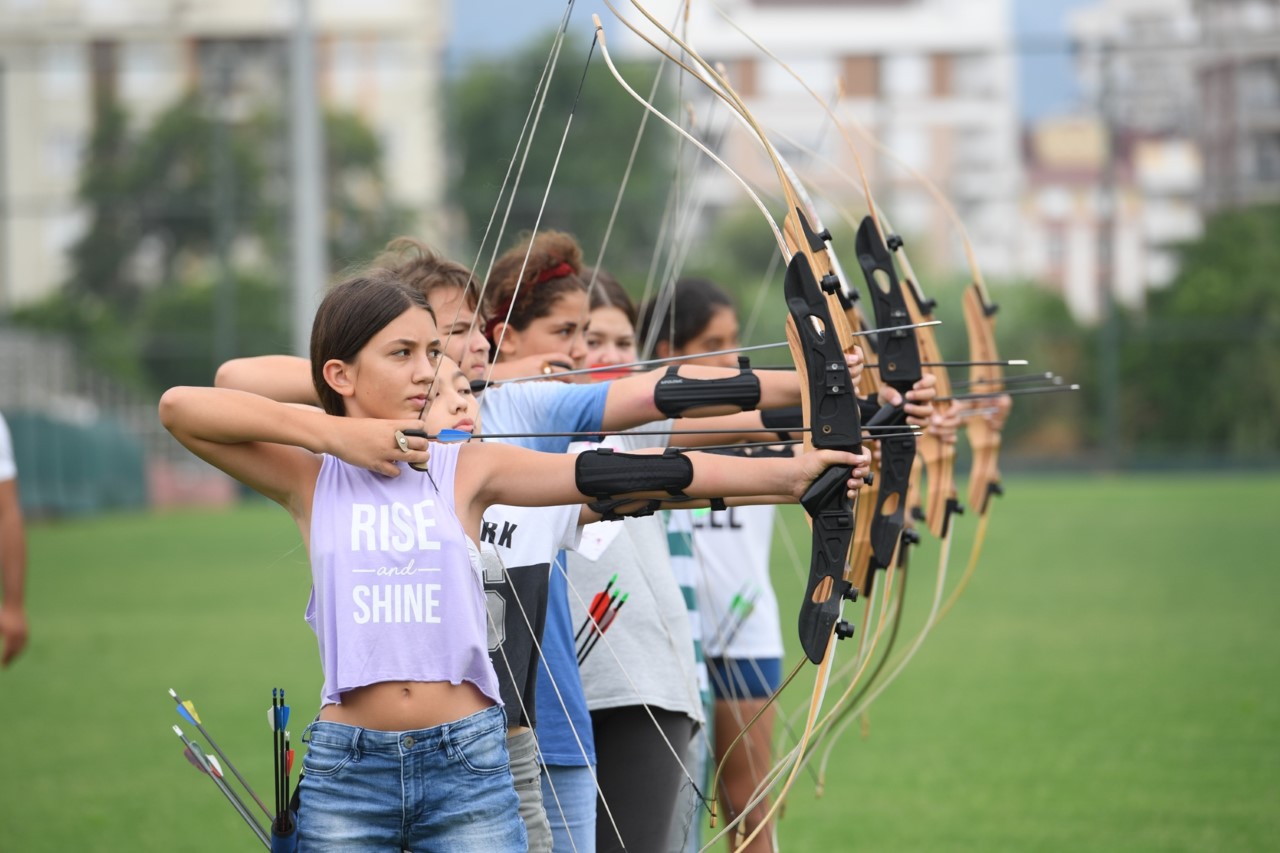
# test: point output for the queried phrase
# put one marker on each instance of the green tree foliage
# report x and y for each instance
(487, 107)
(139, 299)
(173, 351)
(1201, 369)
(113, 228)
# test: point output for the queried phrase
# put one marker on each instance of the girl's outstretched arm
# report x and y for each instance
(631, 400)
(496, 473)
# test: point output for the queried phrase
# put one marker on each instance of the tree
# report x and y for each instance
(1201, 369)
(156, 201)
(486, 110)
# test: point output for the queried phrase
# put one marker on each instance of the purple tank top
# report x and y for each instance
(397, 592)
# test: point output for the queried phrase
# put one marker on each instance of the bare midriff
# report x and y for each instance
(398, 706)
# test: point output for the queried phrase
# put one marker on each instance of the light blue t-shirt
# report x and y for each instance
(564, 724)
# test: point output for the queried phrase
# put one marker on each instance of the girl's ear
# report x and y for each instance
(662, 349)
(340, 376)
(509, 338)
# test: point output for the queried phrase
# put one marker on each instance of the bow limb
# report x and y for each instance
(938, 456)
(831, 410)
(827, 395)
(983, 432)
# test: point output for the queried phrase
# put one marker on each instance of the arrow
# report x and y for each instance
(208, 765)
(591, 641)
(187, 710)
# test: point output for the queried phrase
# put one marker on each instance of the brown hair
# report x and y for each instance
(685, 312)
(607, 291)
(552, 270)
(423, 269)
(350, 314)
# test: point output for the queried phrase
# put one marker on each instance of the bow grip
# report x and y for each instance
(833, 409)
(828, 504)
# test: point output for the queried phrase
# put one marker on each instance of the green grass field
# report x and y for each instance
(1110, 680)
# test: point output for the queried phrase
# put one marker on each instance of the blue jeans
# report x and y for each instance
(446, 788)
(569, 796)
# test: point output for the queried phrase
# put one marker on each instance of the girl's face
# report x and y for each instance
(462, 336)
(558, 331)
(451, 403)
(720, 333)
(390, 375)
(610, 338)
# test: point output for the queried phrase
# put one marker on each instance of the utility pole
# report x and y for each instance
(224, 322)
(310, 268)
(6, 215)
(1109, 199)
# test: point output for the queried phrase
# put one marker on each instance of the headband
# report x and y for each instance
(560, 270)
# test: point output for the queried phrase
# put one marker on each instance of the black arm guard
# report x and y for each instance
(604, 474)
(676, 394)
(782, 421)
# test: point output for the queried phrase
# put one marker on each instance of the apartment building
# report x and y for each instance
(933, 81)
(1113, 188)
(382, 59)
(1239, 96)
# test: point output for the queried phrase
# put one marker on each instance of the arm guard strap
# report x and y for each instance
(617, 509)
(676, 394)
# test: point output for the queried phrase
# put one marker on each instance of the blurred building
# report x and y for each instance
(1239, 76)
(1136, 60)
(381, 59)
(931, 80)
(1104, 213)
(1112, 190)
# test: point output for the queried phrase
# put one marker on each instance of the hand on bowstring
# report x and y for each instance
(378, 445)
(855, 361)
(918, 405)
(546, 364)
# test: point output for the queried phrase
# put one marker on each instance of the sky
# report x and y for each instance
(1045, 77)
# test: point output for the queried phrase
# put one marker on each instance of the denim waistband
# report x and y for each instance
(406, 742)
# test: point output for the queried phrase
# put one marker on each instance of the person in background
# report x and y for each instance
(13, 555)
(639, 678)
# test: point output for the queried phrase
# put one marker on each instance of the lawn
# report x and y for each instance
(1109, 681)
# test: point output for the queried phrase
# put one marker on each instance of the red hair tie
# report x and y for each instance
(560, 270)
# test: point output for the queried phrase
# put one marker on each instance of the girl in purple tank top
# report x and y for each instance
(409, 748)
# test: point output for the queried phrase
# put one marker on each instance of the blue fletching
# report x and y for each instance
(453, 435)
(186, 715)
(284, 717)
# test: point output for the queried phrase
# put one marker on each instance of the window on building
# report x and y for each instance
(1055, 246)
(61, 154)
(819, 73)
(346, 67)
(743, 77)
(943, 74)
(860, 76)
(142, 68)
(910, 146)
(65, 69)
(905, 75)
(973, 75)
(1260, 85)
(1266, 157)
(391, 64)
